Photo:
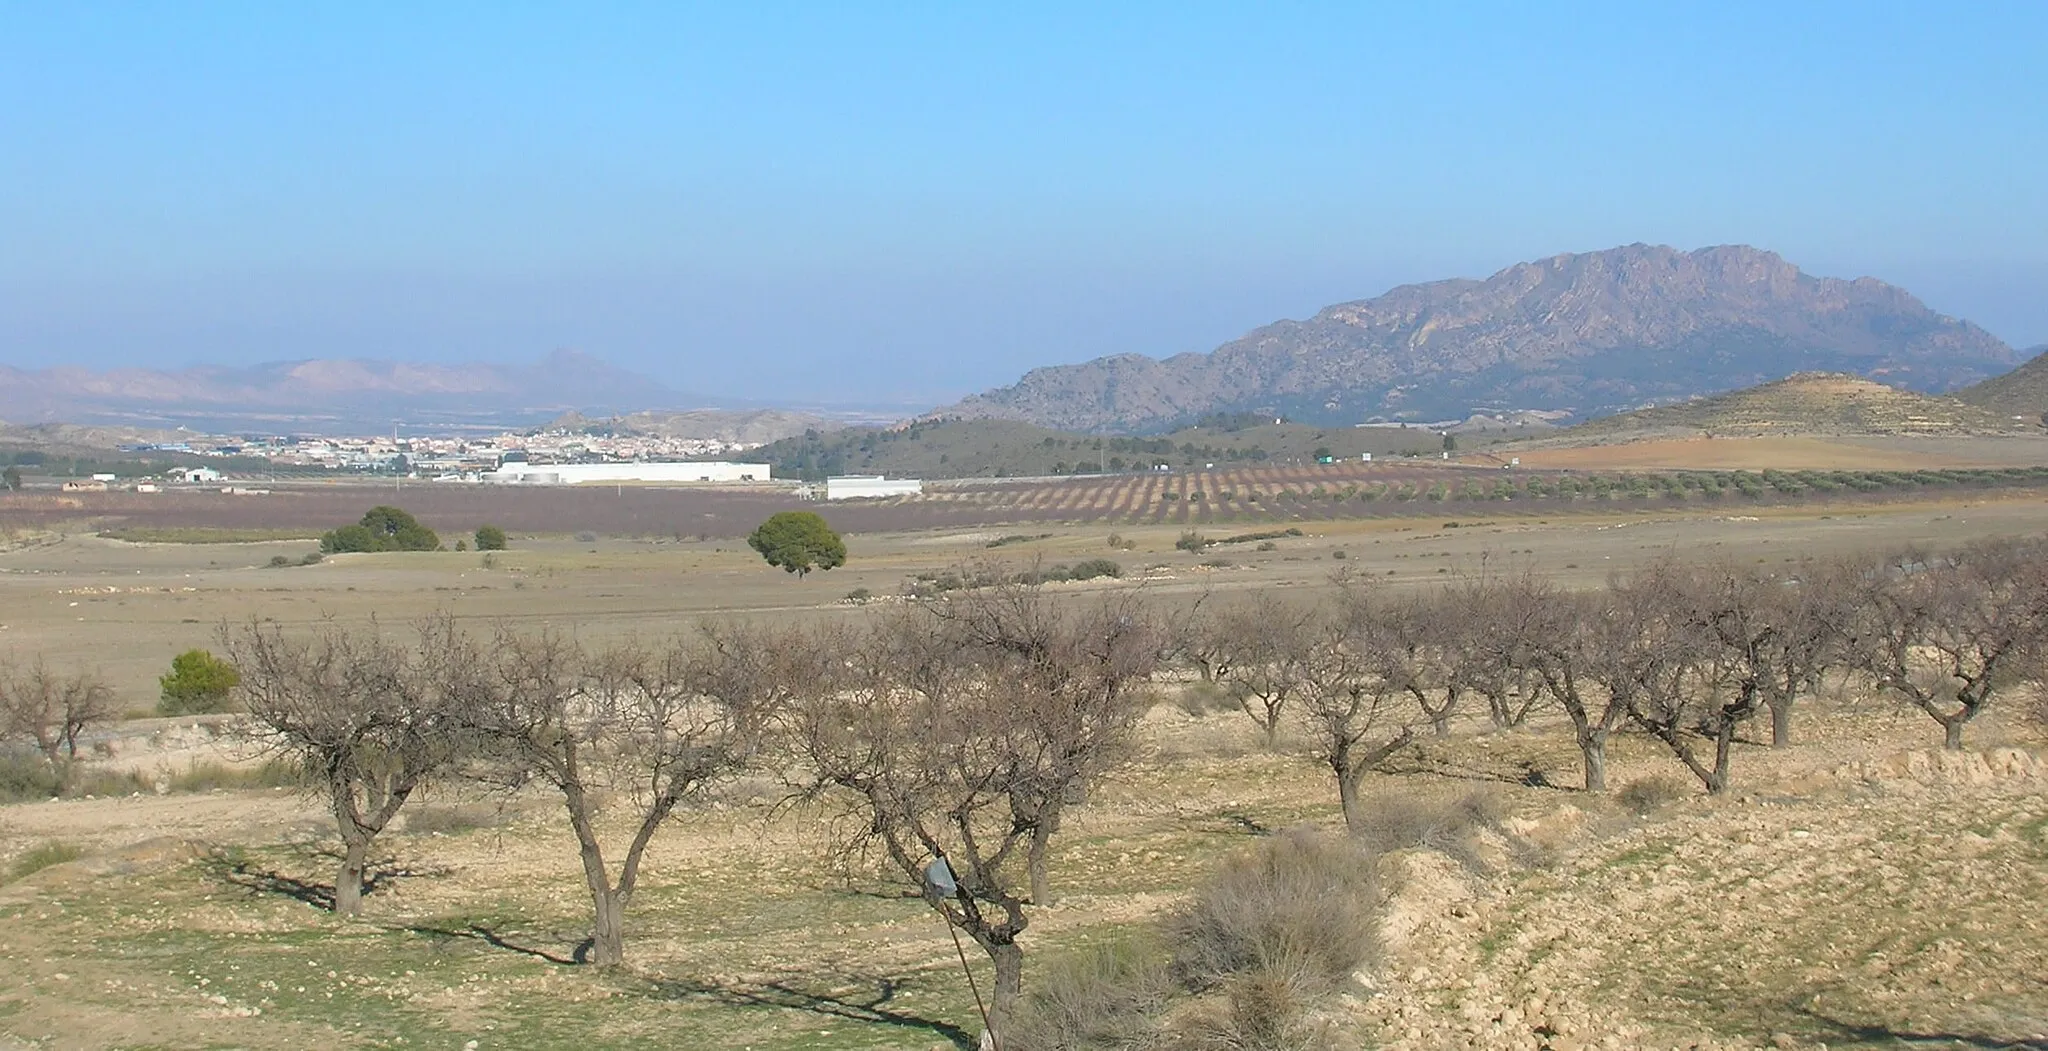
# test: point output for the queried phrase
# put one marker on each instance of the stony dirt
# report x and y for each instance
(1885, 902)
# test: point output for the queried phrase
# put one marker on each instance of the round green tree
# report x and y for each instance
(398, 530)
(798, 541)
(198, 682)
(490, 538)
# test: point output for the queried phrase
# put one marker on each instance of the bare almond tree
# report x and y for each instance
(926, 745)
(1353, 703)
(1259, 648)
(51, 710)
(1076, 676)
(1701, 666)
(1573, 643)
(648, 724)
(367, 716)
(1489, 630)
(1945, 633)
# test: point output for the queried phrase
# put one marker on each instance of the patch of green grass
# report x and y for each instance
(42, 856)
(205, 535)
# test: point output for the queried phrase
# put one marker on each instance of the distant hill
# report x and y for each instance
(1009, 449)
(327, 394)
(743, 427)
(1812, 403)
(2021, 392)
(1585, 334)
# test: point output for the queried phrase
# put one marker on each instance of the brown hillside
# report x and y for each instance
(2021, 392)
(1805, 403)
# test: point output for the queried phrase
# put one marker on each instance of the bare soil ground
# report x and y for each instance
(127, 608)
(1856, 891)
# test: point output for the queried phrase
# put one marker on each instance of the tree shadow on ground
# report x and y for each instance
(1843, 1029)
(787, 995)
(1527, 773)
(578, 955)
(234, 868)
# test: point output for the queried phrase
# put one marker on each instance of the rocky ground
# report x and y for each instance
(1890, 902)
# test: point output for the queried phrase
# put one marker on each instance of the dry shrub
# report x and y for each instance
(1264, 1010)
(1301, 905)
(211, 775)
(1198, 699)
(1647, 795)
(453, 820)
(1102, 997)
(1450, 826)
(26, 777)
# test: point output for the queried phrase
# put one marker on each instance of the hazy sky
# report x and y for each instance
(906, 203)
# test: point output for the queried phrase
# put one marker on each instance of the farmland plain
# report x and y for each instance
(1858, 891)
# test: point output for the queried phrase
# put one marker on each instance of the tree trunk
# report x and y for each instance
(608, 928)
(1593, 748)
(1781, 724)
(1009, 961)
(348, 882)
(1724, 741)
(608, 903)
(1041, 841)
(1952, 731)
(1347, 796)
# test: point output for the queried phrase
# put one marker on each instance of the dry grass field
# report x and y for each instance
(1857, 890)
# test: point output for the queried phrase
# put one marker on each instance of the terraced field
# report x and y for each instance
(1248, 494)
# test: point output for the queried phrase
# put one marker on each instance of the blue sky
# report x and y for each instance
(904, 202)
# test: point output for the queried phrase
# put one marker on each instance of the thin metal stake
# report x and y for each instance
(986, 1026)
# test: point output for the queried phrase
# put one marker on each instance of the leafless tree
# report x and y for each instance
(1571, 642)
(51, 710)
(953, 734)
(1946, 633)
(1356, 674)
(1706, 660)
(368, 717)
(1077, 677)
(1258, 649)
(649, 722)
(1426, 628)
(1192, 637)
(1490, 630)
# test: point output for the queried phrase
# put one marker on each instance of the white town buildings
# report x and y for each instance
(860, 486)
(519, 472)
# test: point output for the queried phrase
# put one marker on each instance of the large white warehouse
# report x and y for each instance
(522, 473)
(859, 486)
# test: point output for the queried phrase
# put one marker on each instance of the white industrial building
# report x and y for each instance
(519, 472)
(869, 486)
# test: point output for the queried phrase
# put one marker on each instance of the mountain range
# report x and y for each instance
(1586, 334)
(331, 394)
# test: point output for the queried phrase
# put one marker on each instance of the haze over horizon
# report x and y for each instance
(811, 204)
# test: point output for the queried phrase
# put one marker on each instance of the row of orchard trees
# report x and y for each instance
(1685, 652)
(961, 727)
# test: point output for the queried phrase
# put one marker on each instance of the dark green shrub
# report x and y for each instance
(490, 538)
(1090, 569)
(198, 683)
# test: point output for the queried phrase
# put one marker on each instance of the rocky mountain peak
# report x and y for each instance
(1585, 333)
